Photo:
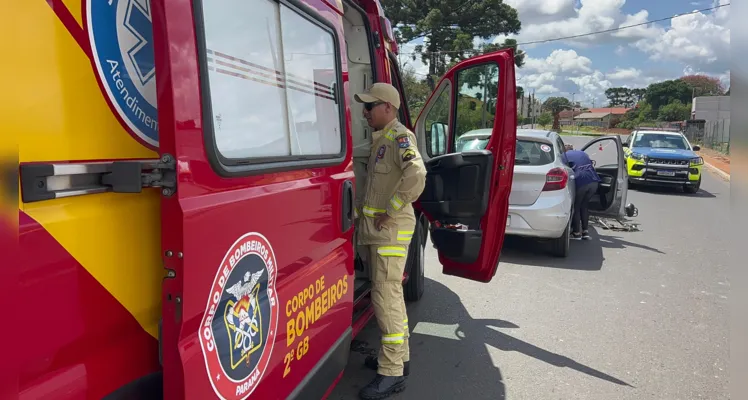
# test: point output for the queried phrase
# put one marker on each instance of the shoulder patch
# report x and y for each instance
(403, 141)
(409, 155)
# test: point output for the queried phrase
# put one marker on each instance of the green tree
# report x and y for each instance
(544, 119)
(638, 94)
(662, 93)
(555, 105)
(619, 97)
(449, 27)
(520, 92)
(675, 111)
(485, 48)
(416, 91)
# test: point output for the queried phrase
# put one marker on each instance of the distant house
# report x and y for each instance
(566, 117)
(599, 119)
(616, 114)
(611, 110)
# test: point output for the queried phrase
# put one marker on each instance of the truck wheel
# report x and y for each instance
(560, 246)
(414, 286)
(692, 188)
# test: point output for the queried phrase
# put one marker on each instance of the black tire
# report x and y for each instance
(692, 189)
(413, 288)
(560, 246)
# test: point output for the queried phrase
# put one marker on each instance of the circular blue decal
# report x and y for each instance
(121, 36)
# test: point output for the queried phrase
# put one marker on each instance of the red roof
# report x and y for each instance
(568, 113)
(611, 110)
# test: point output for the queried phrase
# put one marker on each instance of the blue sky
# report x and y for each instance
(635, 57)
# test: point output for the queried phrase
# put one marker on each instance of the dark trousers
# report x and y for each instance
(581, 206)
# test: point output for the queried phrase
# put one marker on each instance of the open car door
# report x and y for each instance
(608, 157)
(466, 197)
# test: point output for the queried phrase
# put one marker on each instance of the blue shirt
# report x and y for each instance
(584, 171)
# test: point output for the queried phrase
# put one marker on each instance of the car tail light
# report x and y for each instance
(556, 179)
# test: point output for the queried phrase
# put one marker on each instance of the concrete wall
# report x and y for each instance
(711, 108)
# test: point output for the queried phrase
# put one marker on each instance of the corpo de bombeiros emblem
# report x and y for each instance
(121, 37)
(238, 328)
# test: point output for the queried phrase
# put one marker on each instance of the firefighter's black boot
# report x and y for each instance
(371, 362)
(382, 387)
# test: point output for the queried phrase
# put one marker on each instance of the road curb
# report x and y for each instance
(719, 172)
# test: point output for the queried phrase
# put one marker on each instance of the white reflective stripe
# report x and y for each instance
(371, 211)
(355, 213)
(396, 339)
(404, 235)
(391, 251)
(396, 202)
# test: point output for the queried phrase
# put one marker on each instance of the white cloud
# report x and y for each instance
(699, 40)
(565, 72)
(591, 16)
(624, 73)
(560, 61)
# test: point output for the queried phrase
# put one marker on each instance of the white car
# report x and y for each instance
(541, 201)
(542, 196)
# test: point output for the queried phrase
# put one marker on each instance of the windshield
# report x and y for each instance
(533, 153)
(659, 141)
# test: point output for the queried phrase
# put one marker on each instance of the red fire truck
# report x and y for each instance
(188, 174)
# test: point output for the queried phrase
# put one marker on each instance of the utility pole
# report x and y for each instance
(532, 108)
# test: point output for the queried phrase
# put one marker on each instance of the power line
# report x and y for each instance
(587, 34)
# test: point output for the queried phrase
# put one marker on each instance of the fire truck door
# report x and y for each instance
(468, 182)
(257, 238)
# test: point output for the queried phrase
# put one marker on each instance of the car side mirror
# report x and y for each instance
(625, 144)
(696, 148)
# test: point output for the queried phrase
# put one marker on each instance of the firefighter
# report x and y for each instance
(396, 176)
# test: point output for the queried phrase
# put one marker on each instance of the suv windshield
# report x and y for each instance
(659, 141)
(533, 153)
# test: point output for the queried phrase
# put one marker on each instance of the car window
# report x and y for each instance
(561, 150)
(529, 152)
(471, 143)
(658, 141)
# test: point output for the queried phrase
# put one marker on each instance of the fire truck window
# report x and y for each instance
(476, 99)
(273, 81)
(437, 123)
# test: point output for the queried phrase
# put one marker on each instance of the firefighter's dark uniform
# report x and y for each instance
(396, 176)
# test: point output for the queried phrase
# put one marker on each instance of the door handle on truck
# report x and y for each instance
(347, 206)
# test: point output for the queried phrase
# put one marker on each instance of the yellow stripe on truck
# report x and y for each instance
(58, 113)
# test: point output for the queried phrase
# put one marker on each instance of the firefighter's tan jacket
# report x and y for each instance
(396, 176)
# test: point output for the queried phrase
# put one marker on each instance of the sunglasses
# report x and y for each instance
(370, 106)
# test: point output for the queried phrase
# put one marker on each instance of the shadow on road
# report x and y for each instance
(448, 353)
(672, 191)
(583, 255)
(605, 239)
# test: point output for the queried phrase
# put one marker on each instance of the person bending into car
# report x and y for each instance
(587, 181)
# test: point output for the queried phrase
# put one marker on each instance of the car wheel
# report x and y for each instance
(413, 289)
(692, 188)
(560, 246)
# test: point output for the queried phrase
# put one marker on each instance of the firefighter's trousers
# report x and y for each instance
(387, 266)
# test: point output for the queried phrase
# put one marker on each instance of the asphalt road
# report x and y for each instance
(629, 315)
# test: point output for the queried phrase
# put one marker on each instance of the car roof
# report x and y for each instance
(533, 134)
(668, 133)
(521, 133)
(485, 132)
